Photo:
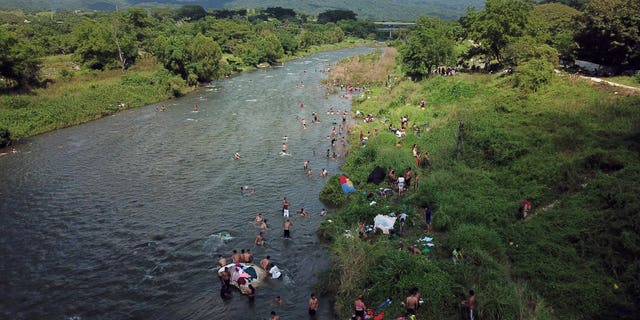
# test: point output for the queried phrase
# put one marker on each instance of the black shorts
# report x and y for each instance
(287, 234)
(312, 312)
(360, 313)
(411, 311)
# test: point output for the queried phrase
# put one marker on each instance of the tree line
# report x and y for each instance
(189, 41)
(528, 37)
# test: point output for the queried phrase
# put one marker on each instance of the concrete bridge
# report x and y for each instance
(390, 26)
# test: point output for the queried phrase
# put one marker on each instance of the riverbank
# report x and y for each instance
(74, 97)
(570, 148)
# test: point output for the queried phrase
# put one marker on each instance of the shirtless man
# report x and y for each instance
(222, 261)
(259, 217)
(413, 301)
(306, 165)
(242, 256)
(287, 224)
(260, 239)
(284, 147)
(263, 225)
(247, 256)
(471, 304)
(264, 263)
(235, 257)
(313, 305)
(303, 212)
(274, 316)
(225, 278)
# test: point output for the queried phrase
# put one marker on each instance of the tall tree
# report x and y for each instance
(499, 23)
(610, 32)
(191, 12)
(280, 13)
(559, 20)
(429, 45)
(203, 56)
(102, 44)
(19, 62)
(336, 15)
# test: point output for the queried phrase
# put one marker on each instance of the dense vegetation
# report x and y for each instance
(496, 133)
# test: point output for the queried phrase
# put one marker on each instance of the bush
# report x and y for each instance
(5, 137)
(332, 194)
(477, 238)
(497, 145)
(533, 74)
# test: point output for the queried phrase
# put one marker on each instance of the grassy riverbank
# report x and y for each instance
(571, 148)
(74, 97)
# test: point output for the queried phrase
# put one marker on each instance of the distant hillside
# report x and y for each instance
(407, 10)
(372, 9)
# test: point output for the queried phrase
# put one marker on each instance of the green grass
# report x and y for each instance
(571, 148)
(626, 80)
(84, 95)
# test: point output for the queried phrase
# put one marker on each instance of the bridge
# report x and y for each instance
(390, 26)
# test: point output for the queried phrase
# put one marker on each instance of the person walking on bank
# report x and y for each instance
(313, 306)
(427, 218)
(470, 303)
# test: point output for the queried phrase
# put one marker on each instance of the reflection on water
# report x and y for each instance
(116, 219)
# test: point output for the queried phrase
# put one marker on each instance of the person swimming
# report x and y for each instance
(236, 156)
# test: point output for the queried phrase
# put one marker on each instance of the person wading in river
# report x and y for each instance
(287, 224)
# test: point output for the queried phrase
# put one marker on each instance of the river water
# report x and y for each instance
(114, 219)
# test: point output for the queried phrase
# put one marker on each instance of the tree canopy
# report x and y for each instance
(336, 15)
(499, 23)
(610, 32)
(429, 46)
(19, 62)
(280, 13)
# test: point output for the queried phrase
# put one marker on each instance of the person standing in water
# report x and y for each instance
(313, 306)
(287, 224)
(285, 207)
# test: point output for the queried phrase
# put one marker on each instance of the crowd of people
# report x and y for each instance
(336, 149)
(401, 182)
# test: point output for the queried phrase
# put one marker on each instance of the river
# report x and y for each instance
(113, 219)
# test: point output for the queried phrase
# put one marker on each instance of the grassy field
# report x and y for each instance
(626, 80)
(571, 148)
(77, 96)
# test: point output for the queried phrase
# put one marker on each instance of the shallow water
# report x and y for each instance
(114, 219)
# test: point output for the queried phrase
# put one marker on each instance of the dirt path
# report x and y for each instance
(624, 88)
(605, 84)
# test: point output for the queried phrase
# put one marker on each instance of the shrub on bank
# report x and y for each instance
(332, 194)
